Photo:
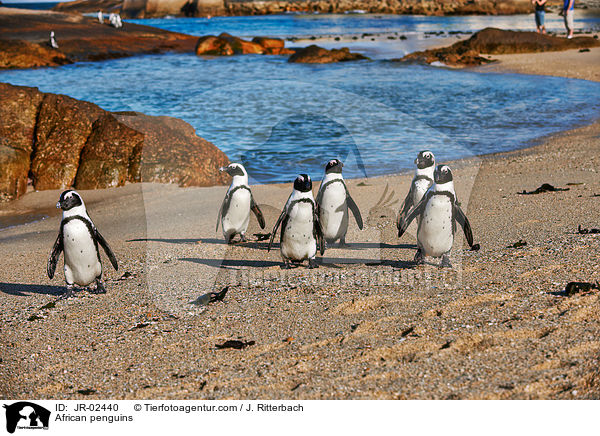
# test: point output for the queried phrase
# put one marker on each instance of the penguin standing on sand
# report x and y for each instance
(234, 214)
(439, 211)
(79, 239)
(52, 41)
(333, 202)
(421, 182)
(301, 233)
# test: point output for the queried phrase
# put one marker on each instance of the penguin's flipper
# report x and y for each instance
(259, 216)
(318, 233)
(53, 259)
(283, 214)
(413, 213)
(354, 208)
(461, 218)
(107, 250)
(408, 203)
(223, 209)
(319, 198)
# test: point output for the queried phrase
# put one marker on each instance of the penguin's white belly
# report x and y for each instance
(298, 242)
(435, 235)
(421, 187)
(82, 265)
(334, 212)
(238, 216)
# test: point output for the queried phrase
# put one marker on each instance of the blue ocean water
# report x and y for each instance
(281, 119)
(306, 25)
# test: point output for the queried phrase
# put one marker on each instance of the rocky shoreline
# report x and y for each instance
(154, 9)
(24, 38)
(52, 141)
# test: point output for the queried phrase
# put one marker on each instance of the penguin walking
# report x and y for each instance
(439, 211)
(421, 182)
(234, 214)
(52, 41)
(333, 202)
(301, 233)
(79, 238)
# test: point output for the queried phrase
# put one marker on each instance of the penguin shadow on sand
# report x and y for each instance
(24, 290)
(235, 256)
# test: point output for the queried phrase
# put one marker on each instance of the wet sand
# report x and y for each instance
(366, 324)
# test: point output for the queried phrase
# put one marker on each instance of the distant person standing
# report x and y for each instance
(567, 12)
(540, 15)
(100, 17)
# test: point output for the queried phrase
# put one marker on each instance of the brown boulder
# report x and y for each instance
(111, 155)
(62, 130)
(213, 46)
(496, 41)
(19, 107)
(23, 54)
(279, 51)
(314, 54)
(241, 46)
(173, 153)
(269, 42)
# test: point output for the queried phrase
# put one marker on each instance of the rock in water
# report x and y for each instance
(18, 110)
(241, 46)
(213, 46)
(314, 54)
(269, 42)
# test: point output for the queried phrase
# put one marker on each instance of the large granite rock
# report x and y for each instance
(496, 41)
(111, 155)
(173, 153)
(19, 107)
(79, 144)
(314, 54)
(24, 39)
(63, 127)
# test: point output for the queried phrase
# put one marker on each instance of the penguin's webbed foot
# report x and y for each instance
(312, 263)
(243, 237)
(286, 265)
(99, 289)
(68, 293)
(342, 242)
(445, 263)
(419, 258)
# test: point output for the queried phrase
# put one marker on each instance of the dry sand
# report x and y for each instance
(571, 63)
(366, 324)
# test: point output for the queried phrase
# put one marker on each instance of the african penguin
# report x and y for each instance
(52, 41)
(300, 228)
(439, 211)
(79, 239)
(421, 182)
(333, 201)
(234, 214)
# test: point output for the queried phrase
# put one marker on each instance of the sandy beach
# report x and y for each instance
(368, 324)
